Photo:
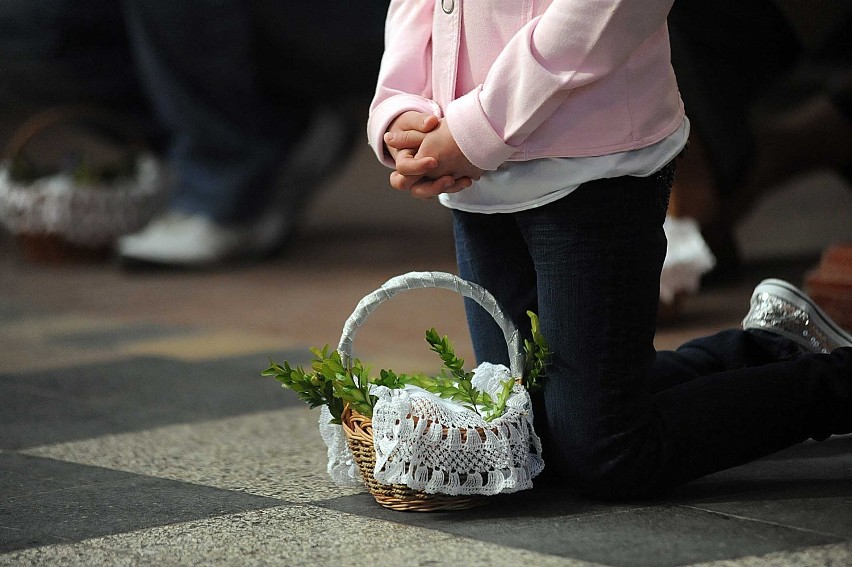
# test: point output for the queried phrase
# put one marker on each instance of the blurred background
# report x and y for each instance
(186, 192)
(252, 118)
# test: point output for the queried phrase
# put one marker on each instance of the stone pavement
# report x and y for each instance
(135, 429)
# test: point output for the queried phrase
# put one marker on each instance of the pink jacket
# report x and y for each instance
(525, 79)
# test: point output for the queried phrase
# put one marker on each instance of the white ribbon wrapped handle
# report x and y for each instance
(442, 280)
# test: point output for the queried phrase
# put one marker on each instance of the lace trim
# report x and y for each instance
(436, 446)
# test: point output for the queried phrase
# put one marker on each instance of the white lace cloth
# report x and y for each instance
(687, 258)
(411, 448)
(83, 215)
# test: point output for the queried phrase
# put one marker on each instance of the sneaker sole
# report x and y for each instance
(787, 292)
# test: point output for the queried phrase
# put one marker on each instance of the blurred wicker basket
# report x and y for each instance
(57, 211)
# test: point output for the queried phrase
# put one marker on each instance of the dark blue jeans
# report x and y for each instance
(618, 418)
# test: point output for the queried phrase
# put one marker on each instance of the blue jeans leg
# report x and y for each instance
(619, 418)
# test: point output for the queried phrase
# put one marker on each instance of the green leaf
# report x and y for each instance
(334, 384)
(536, 355)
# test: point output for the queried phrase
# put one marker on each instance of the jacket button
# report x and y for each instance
(448, 6)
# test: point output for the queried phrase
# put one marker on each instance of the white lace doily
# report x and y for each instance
(341, 464)
(412, 449)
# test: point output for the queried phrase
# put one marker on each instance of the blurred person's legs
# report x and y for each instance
(769, 98)
(804, 122)
(816, 131)
(725, 55)
(235, 84)
(59, 53)
(198, 67)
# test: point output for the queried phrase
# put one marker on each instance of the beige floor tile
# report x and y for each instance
(277, 454)
(293, 536)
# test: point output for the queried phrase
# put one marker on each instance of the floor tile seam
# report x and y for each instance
(451, 536)
(839, 538)
(153, 477)
(326, 504)
(617, 509)
(446, 536)
(60, 540)
(63, 489)
(23, 531)
(440, 535)
(448, 539)
(130, 474)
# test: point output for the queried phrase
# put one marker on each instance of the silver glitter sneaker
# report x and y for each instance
(781, 308)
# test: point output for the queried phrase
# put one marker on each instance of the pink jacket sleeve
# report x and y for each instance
(574, 43)
(405, 79)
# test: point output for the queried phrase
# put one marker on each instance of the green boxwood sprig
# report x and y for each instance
(332, 384)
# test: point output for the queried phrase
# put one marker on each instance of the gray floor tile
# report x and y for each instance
(70, 502)
(808, 470)
(558, 524)
(45, 407)
(830, 515)
(807, 487)
(287, 536)
(15, 538)
(27, 476)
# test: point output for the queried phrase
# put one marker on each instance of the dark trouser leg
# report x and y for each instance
(725, 55)
(198, 65)
(55, 52)
(727, 350)
(614, 428)
(593, 278)
(500, 261)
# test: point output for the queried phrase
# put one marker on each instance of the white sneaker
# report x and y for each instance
(780, 307)
(185, 240)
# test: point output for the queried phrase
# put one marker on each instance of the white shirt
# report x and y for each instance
(519, 185)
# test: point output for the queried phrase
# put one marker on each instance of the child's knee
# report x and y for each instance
(602, 470)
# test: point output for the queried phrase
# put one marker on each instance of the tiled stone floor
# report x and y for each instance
(135, 430)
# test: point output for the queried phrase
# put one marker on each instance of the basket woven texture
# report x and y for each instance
(358, 428)
(359, 435)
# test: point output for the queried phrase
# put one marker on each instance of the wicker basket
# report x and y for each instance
(358, 428)
(54, 215)
(359, 435)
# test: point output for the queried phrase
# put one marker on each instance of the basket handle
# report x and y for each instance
(442, 280)
(114, 123)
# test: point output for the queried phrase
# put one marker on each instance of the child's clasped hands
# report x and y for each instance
(427, 158)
